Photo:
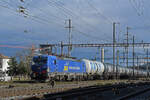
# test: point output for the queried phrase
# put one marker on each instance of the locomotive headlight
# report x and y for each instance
(48, 69)
(34, 75)
(32, 63)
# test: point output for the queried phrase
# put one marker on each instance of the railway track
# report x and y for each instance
(143, 94)
(12, 92)
(79, 92)
(29, 92)
(60, 91)
(93, 92)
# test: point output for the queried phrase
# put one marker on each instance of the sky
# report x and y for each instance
(44, 21)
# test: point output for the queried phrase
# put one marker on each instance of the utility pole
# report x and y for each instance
(70, 37)
(55, 50)
(51, 50)
(138, 64)
(127, 39)
(61, 48)
(114, 42)
(102, 55)
(114, 47)
(133, 57)
(117, 64)
(147, 64)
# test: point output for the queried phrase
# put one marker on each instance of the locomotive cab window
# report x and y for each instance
(44, 60)
(55, 62)
(40, 60)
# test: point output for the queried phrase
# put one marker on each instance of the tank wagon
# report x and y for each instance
(48, 67)
(94, 69)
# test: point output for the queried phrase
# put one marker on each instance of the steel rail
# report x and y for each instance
(134, 94)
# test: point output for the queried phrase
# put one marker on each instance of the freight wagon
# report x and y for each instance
(47, 67)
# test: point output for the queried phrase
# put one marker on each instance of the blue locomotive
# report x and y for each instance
(59, 68)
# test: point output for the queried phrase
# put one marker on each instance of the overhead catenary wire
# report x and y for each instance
(35, 17)
(100, 14)
(54, 4)
(26, 3)
(137, 7)
(93, 37)
(110, 21)
(16, 13)
(68, 11)
(29, 17)
(46, 19)
(71, 13)
(14, 2)
(89, 36)
(54, 16)
(79, 32)
(6, 2)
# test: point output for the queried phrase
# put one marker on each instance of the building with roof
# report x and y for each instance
(4, 63)
(4, 68)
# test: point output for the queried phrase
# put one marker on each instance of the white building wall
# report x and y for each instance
(4, 68)
(5, 65)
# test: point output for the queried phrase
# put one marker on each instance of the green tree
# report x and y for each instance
(22, 69)
(13, 67)
(25, 59)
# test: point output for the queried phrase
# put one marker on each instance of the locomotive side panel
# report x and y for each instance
(70, 66)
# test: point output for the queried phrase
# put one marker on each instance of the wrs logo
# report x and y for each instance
(65, 68)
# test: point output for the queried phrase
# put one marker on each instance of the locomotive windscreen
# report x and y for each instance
(40, 60)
